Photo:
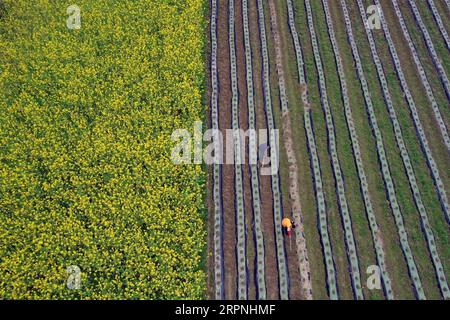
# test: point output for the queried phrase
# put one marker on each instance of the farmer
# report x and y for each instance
(288, 225)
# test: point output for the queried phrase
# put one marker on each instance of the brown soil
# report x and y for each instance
(295, 252)
(229, 218)
(243, 123)
(229, 221)
(265, 181)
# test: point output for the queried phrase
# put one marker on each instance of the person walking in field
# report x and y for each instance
(288, 224)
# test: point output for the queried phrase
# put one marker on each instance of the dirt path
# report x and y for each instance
(229, 222)
(300, 284)
(265, 182)
(243, 123)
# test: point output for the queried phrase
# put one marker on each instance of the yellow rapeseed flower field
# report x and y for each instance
(86, 177)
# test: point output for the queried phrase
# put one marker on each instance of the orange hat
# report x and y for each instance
(286, 222)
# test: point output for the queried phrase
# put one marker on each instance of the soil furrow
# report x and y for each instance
(229, 223)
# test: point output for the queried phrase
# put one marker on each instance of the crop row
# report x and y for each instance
(332, 148)
(423, 140)
(439, 22)
(430, 46)
(434, 105)
(314, 161)
(288, 142)
(425, 148)
(321, 205)
(405, 158)
(278, 62)
(323, 224)
(305, 271)
(277, 208)
(375, 231)
(415, 115)
(217, 191)
(389, 184)
(423, 76)
(260, 258)
(239, 192)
